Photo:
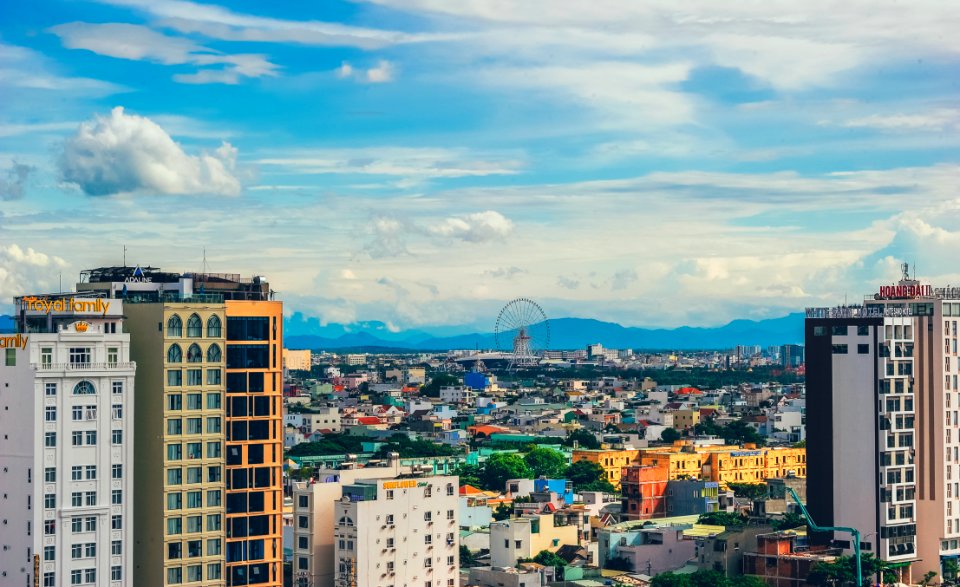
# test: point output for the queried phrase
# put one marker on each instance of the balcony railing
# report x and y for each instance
(84, 366)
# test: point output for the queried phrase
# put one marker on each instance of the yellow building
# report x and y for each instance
(297, 360)
(726, 464)
(208, 439)
(612, 461)
(686, 419)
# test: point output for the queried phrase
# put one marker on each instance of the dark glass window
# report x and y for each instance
(863, 349)
(248, 328)
(261, 405)
(238, 406)
(255, 454)
(236, 503)
(256, 501)
(250, 356)
(839, 349)
(236, 382)
(256, 382)
(258, 526)
(238, 431)
(259, 430)
(238, 479)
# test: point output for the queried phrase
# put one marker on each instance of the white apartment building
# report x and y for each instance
(66, 450)
(396, 532)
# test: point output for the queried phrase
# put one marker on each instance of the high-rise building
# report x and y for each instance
(791, 355)
(66, 450)
(397, 532)
(209, 442)
(883, 399)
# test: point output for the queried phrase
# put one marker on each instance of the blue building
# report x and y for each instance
(688, 497)
(561, 487)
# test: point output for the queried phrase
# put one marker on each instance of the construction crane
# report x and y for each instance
(813, 527)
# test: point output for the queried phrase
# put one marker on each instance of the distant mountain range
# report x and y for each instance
(565, 333)
(303, 332)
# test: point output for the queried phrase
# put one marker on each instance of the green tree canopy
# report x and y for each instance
(502, 466)
(432, 389)
(789, 521)
(583, 438)
(669, 435)
(546, 462)
(843, 571)
(705, 578)
(502, 512)
(749, 490)
(469, 474)
(722, 519)
(588, 476)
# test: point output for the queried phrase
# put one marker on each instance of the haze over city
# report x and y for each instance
(421, 162)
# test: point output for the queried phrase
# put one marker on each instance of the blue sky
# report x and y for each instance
(421, 162)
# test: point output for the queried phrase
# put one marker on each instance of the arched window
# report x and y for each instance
(213, 327)
(213, 354)
(174, 326)
(194, 326)
(194, 355)
(347, 521)
(84, 388)
(174, 354)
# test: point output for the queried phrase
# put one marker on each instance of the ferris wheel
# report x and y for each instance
(523, 332)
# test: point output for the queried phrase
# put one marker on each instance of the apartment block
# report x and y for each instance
(66, 451)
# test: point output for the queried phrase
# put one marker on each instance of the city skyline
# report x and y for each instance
(422, 163)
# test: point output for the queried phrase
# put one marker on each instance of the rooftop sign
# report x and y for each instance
(75, 305)
(13, 342)
(904, 291)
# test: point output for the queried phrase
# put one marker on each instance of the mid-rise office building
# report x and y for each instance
(791, 356)
(395, 532)
(209, 442)
(882, 412)
(66, 450)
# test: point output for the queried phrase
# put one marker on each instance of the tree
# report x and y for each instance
(546, 462)
(502, 512)
(583, 438)
(722, 519)
(739, 432)
(467, 558)
(588, 476)
(669, 435)
(502, 466)
(469, 474)
(705, 578)
(670, 580)
(789, 521)
(749, 490)
(746, 581)
(548, 559)
(432, 389)
(843, 571)
(927, 577)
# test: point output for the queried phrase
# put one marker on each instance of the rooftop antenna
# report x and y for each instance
(124, 255)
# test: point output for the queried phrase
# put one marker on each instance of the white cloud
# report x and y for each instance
(12, 186)
(345, 70)
(505, 272)
(26, 69)
(25, 270)
(140, 43)
(125, 153)
(410, 162)
(220, 23)
(932, 120)
(382, 73)
(478, 227)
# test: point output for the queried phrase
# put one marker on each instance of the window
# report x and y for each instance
(116, 497)
(174, 477)
(450, 489)
(76, 525)
(49, 501)
(50, 475)
(76, 499)
(194, 376)
(76, 473)
(193, 475)
(214, 498)
(194, 425)
(116, 437)
(174, 326)
(84, 388)
(194, 355)
(194, 450)
(214, 401)
(174, 452)
(49, 580)
(213, 425)
(213, 354)
(214, 571)
(90, 437)
(194, 573)
(214, 327)
(76, 577)
(90, 575)
(113, 355)
(214, 450)
(175, 402)
(428, 562)
(50, 439)
(194, 401)
(863, 330)
(194, 326)
(174, 525)
(863, 349)
(213, 546)
(174, 378)
(79, 355)
(90, 524)
(194, 523)
(214, 376)
(116, 573)
(90, 472)
(50, 414)
(213, 522)
(49, 553)
(117, 412)
(174, 576)
(838, 330)
(450, 514)
(174, 501)
(839, 349)
(90, 498)
(90, 550)
(389, 494)
(213, 474)
(174, 354)
(116, 547)
(50, 389)
(118, 387)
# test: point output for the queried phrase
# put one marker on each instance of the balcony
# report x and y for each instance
(110, 366)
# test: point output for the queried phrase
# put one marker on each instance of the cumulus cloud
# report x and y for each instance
(623, 279)
(11, 187)
(125, 153)
(24, 270)
(382, 72)
(388, 238)
(478, 227)
(567, 282)
(504, 272)
(140, 43)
